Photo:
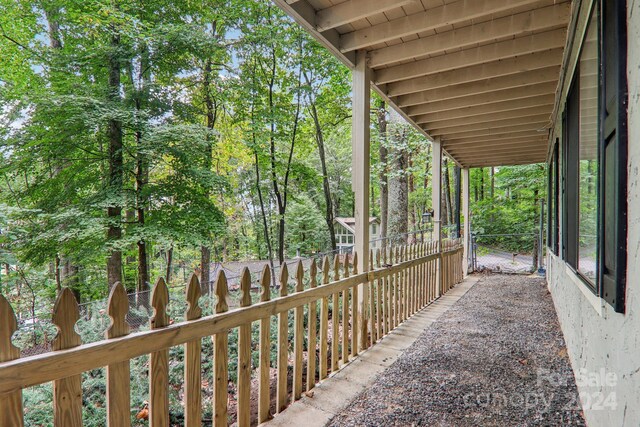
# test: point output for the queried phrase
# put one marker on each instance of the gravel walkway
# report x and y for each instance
(496, 358)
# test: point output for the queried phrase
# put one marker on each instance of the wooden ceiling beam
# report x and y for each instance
(497, 132)
(482, 154)
(349, 11)
(478, 55)
(505, 67)
(496, 107)
(519, 155)
(488, 118)
(430, 19)
(536, 20)
(483, 99)
(531, 144)
(488, 88)
(495, 140)
(511, 162)
(543, 119)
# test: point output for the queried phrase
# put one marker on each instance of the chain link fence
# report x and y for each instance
(504, 253)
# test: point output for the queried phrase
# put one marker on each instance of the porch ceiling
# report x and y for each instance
(479, 75)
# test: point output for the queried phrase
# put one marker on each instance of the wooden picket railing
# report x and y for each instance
(402, 280)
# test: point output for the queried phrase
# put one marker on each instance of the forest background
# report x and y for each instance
(141, 138)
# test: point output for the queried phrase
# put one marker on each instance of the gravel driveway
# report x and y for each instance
(496, 358)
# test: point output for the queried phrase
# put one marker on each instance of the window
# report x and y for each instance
(587, 155)
(373, 229)
(613, 152)
(350, 239)
(594, 157)
(553, 226)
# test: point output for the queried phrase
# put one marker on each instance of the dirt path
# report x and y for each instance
(496, 358)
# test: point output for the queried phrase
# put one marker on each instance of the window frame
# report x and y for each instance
(614, 238)
(553, 199)
(611, 239)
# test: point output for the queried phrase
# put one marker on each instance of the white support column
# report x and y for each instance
(436, 202)
(466, 212)
(361, 169)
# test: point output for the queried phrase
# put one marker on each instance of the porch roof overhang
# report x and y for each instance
(479, 75)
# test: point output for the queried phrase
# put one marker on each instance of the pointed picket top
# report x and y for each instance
(378, 258)
(299, 276)
(245, 288)
(355, 263)
(9, 323)
(222, 292)
(326, 267)
(336, 268)
(193, 296)
(313, 273)
(117, 309)
(345, 266)
(265, 284)
(284, 279)
(159, 301)
(384, 255)
(65, 316)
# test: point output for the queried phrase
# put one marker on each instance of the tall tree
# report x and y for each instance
(381, 115)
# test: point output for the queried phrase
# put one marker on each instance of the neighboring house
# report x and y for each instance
(345, 233)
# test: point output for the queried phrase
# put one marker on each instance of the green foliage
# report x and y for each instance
(514, 208)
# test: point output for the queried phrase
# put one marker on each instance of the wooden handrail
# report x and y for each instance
(409, 283)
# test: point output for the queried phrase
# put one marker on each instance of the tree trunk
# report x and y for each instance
(57, 267)
(493, 183)
(169, 265)
(381, 114)
(326, 189)
(211, 116)
(142, 178)
(412, 211)
(114, 136)
(70, 278)
(398, 187)
(481, 183)
(446, 208)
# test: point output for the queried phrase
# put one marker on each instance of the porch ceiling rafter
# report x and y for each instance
(479, 75)
(484, 118)
(431, 19)
(349, 11)
(504, 67)
(483, 98)
(497, 151)
(509, 26)
(488, 86)
(541, 120)
(509, 141)
(478, 55)
(497, 132)
(496, 107)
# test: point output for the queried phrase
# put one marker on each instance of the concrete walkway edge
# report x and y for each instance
(335, 392)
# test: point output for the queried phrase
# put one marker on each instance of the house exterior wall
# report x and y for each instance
(343, 235)
(604, 346)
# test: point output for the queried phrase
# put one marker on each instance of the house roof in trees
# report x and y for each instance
(350, 223)
(479, 75)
